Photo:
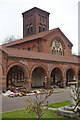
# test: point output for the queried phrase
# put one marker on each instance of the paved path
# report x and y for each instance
(10, 104)
(54, 109)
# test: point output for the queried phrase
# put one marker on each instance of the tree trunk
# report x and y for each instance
(38, 117)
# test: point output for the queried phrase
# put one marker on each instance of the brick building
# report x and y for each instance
(41, 53)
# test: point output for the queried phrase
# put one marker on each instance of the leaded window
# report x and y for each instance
(57, 48)
(39, 28)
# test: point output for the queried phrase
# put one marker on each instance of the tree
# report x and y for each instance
(10, 39)
(36, 105)
(76, 98)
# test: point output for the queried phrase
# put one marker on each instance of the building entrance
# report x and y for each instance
(15, 75)
(38, 77)
(56, 74)
(69, 76)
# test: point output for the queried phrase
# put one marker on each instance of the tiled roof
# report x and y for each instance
(35, 8)
(33, 37)
(12, 52)
(28, 38)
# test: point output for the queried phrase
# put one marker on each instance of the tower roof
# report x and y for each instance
(35, 9)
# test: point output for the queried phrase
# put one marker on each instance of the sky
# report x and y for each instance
(63, 14)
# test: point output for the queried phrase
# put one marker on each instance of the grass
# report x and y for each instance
(49, 114)
(60, 104)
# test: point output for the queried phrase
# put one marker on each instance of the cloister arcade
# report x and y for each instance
(36, 77)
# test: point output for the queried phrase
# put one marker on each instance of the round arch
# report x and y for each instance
(70, 67)
(16, 72)
(19, 64)
(57, 66)
(57, 75)
(38, 73)
(59, 39)
(70, 73)
(42, 67)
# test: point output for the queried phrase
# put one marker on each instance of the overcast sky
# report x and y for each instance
(63, 14)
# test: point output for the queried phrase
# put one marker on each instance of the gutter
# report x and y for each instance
(51, 61)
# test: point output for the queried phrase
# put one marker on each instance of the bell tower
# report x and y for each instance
(35, 21)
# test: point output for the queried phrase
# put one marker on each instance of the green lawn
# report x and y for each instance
(60, 104)
(49, 114)
(20, 114)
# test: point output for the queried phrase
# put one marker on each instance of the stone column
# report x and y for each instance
(76, 78)
(45, 84)
(63, 82)
(3, 82)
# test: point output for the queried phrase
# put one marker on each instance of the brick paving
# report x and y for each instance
(10, 104)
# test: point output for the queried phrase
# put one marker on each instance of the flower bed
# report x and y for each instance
(22, 91)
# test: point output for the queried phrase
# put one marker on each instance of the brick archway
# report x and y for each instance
(59, 67)
(16, 72)
(70, 73)
(19, 64)
(37, 75)
(57, 75)
(42, 67)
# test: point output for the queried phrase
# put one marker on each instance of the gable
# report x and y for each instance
(42, 42)
(57, 33)
(59, 36)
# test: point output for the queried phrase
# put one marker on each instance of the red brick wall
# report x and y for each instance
(31, 64)
(45, 44)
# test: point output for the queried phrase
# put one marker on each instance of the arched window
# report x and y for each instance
(31, 27)
(39, 28)
(27, 29)
(53, 50)
(43, 28)
(57, 48)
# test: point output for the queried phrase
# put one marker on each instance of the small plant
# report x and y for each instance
(36, 105)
